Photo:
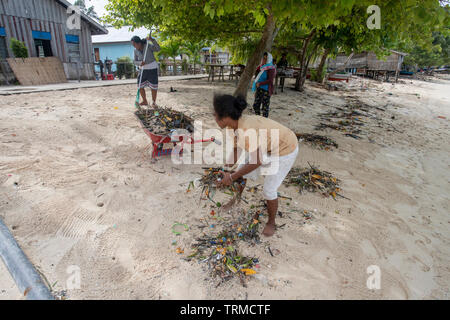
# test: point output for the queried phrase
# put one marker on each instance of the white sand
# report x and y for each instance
(68, 151)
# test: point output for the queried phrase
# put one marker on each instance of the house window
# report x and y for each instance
(42, 42)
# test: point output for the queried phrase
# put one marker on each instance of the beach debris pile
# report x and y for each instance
(350, 119)
(220, 250)
(162, 121)
(209, 180)
(320, 142)
(314, 180)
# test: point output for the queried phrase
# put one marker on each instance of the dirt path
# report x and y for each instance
(77, 185)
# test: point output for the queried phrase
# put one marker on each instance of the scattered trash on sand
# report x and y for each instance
(208, 182)
(320, 142)
(179, 228)
(220, 249)
(349, 119)
(314, 180)
(162, 120)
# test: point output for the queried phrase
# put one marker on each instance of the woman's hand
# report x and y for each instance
(226, 180)
(257, 84)
(142, 63)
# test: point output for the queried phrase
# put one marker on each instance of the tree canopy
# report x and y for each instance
(306, 28)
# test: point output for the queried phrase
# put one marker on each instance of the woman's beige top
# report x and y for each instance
(251, 132)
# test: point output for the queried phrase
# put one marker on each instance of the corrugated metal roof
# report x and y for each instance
(98, 28)
(120, 35)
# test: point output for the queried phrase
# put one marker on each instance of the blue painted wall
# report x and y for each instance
(113, 51)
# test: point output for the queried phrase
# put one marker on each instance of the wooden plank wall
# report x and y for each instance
(38, 71)
(20, 17)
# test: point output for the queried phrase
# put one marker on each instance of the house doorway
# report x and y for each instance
(43, 48)
(97, 54)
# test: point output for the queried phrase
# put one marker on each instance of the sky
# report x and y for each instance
(99, 5)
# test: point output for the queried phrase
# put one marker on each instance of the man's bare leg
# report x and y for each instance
(272, 209)
(144, 97)
(154, 96)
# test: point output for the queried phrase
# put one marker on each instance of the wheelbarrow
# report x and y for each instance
(158, 141)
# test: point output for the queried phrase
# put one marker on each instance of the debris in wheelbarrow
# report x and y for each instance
(314, 180)
(161, 125)
(162, 121)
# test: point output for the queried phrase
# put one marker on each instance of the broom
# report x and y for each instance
(136, 103)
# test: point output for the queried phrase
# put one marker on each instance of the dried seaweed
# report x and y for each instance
(314, 180)
(220, 250)
(317, 141)
(209, 180)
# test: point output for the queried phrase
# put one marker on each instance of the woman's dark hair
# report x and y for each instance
(226, 105)
(136, 39)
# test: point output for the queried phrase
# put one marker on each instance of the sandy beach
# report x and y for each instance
(78, 188)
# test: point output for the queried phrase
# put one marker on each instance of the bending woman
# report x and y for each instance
(272, 153)
(149, 67)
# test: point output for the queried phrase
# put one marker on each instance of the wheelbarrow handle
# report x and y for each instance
(192, 141)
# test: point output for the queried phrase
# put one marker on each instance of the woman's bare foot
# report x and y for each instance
(143, 103)
(154, 105)
(269, 230)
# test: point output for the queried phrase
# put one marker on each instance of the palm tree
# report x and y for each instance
(193, 50)
(171, 49)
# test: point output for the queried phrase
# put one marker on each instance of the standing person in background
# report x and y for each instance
(147, 65)
(282, 65)
(263, 85)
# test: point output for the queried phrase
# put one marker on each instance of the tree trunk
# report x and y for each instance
(304, 71)
(339, 69)
(265, 44)
(299, 82)
(322, 64)
(194, 68)
(174, 66)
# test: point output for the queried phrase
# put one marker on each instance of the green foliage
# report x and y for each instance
(436, 55)
(315, 76)
(338, 25)
(193, 50)
(171, 48)
(19, 49)
(125, 67)
(185, 66)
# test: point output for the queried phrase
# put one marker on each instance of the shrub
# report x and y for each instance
(185, 66)
(163, 68)
(318, 77)
(125, 67)
(19, 49)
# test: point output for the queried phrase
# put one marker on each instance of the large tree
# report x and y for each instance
(232, 21)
